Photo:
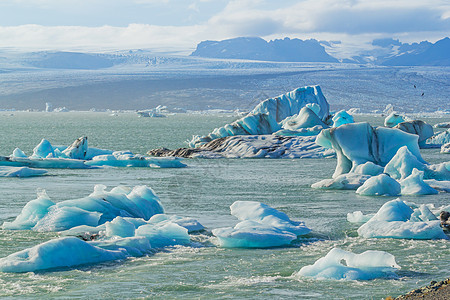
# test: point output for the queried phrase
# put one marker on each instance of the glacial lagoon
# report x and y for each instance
(204, 191)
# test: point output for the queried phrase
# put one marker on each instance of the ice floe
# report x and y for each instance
(80, 156)
(380, 185)
(339, 264)
(420, 128)
(20, 172)
(102, 227)
(260, 226)
(401, 220)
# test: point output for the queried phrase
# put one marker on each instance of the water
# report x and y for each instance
(204, 190)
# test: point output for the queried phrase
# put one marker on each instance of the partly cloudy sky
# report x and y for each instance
(178, 25)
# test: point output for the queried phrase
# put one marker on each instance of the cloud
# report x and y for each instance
(350, 20)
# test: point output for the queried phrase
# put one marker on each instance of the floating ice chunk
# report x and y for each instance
(190, 224)
(422, 214)
(339, 264)
(20, 172)
(441, 185)
(381, 185)
(261, 226)
(393, 119)
(132, 246)
(369, 168)
(101, 206)
(394, 220)
(146, 200)
(359, 143)
(58, 253)
(164, 234)
(358, 217)
(78, 149)
(439, 138)
(18, 153)
(119, 227)
(402, 230)
(341, 118)
(43, 150)
(420, 128)
(312, 131)
(445, 148)
(402, 164)
(394, 210)
(66, 217)
(349, 181)
(84, 232)
(44, 163)
(252, 234)
(314, 107)
(121, 159)
(414, 185)
(92, 152)
(262, 213)
(265, 118)
(31, 213)
(442, 125)
(306, 118)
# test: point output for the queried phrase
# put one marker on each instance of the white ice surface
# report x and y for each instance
(343, 265)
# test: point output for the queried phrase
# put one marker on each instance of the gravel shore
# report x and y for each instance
(435, 291)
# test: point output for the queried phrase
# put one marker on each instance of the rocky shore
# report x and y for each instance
(434, 291)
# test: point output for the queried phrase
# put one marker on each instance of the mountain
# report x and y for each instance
(255, 48)
(424, 54)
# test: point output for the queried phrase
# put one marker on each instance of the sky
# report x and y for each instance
(179, 25)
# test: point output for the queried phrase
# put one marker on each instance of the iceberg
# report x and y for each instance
(394, 119)
(80, 156)
(380, 185)
(42, 214)
(128, 159)
(396, 219)
(414, 185)
(439, 139)
(261, 226)
(58, 253)
(20, 172)
(163, 234)
(306, 118)
(342, 117)
(420, 128)
(377, 145)
(267, 116)
(349, 181)
(339, 264)
(252, 146)
(445, 148)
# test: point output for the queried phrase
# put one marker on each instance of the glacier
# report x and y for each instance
(339, 264)
(260, 226)
(400, 220)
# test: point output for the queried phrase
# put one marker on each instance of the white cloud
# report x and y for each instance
(347, 20)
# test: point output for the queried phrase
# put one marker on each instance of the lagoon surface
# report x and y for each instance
(205, 190)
